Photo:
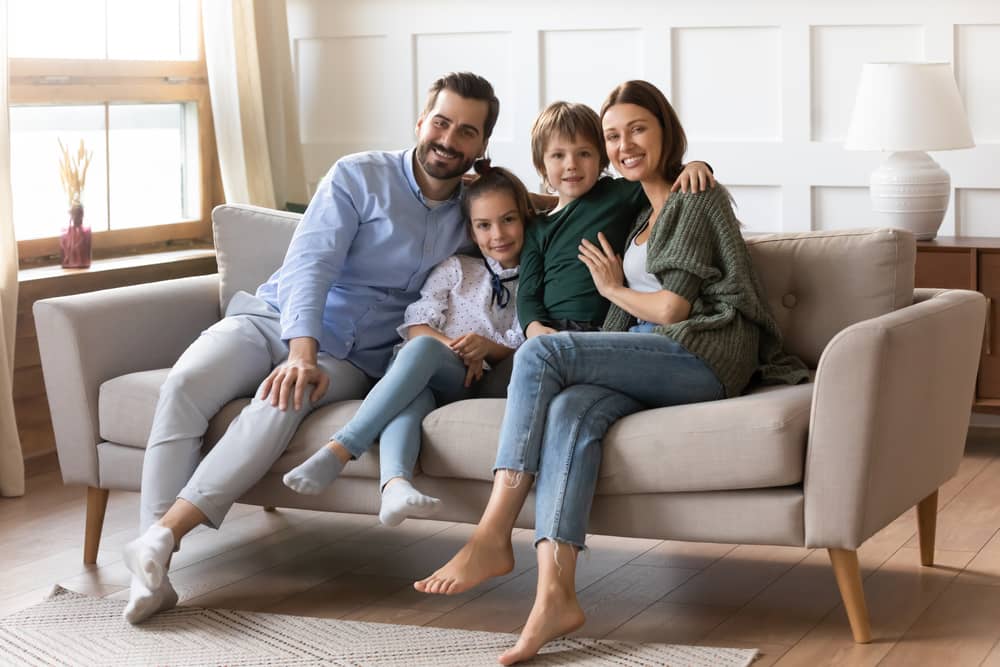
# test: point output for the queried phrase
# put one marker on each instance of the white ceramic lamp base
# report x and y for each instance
(911, 191)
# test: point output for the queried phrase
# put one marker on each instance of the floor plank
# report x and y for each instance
(781, 600)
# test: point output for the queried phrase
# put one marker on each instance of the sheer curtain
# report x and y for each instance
(11, 459)
(253, 102)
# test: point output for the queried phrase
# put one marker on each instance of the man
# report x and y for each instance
(316, 332)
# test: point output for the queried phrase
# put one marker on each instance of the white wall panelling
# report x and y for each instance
(977, 68)
(733, 95)
(841, 208)
(758, 206)
(764, 89)
(838, 52)
(977, 212)
(584, 65)
(325, 69)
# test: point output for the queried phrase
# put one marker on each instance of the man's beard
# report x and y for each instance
(425, 157)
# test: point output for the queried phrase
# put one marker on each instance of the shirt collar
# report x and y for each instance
(499, 270)
(408, 157)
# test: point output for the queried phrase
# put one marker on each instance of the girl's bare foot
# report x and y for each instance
(553, 615)
(480, 559)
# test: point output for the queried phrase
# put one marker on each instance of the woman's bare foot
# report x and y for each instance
(553, 615)
(480, 559)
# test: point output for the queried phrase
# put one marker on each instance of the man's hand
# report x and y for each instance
(536, 328)
(290, 379)
(695, 178)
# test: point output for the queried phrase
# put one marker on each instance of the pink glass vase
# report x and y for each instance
(75, 241)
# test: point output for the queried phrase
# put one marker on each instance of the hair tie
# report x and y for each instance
(482, 166)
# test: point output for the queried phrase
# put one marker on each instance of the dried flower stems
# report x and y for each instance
(73, 172)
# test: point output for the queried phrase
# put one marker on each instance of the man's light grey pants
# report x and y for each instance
(228, 361)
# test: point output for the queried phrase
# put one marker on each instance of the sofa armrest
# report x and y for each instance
(86, 339)
(890, 414)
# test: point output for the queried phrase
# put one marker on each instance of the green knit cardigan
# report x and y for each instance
(696, 251)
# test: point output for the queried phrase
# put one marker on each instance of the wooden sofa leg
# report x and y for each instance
(927, 527)
(848, 574)
(97, 503)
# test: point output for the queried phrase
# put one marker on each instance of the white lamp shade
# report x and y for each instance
(908, 107)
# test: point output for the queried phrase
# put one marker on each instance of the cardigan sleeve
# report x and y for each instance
(432, 306)
(682, 251)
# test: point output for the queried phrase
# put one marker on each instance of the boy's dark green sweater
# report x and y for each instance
(553, 283)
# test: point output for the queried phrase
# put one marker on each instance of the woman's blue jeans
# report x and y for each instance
(424, 373)
(566, 390)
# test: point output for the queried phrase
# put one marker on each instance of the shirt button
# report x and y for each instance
(789, 301)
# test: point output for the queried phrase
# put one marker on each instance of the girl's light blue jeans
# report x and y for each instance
(566, 390)
(424, 373)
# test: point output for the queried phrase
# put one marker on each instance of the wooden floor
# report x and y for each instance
(782, 600)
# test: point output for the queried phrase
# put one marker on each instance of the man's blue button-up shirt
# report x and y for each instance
(360, 255)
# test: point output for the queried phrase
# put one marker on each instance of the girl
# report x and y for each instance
(465, 320)
(691, 325)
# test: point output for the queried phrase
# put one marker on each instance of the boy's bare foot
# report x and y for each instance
(553, 615)
(480, 559)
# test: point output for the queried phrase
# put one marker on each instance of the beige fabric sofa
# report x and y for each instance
(825, 464)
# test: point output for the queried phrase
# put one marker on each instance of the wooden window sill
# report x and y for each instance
(41, 281)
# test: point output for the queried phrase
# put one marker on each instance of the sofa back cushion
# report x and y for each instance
(250, 245)
(818, 283)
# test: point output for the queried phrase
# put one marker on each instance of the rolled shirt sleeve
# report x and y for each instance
(316, 256)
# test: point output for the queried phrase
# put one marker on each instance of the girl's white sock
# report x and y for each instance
(400, 501)
(315, 473)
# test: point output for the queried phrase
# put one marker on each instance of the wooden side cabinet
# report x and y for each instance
(968, 262)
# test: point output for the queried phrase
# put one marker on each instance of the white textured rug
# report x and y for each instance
(73, 629)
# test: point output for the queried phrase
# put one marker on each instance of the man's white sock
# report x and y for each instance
(143, 602)
(147, 555)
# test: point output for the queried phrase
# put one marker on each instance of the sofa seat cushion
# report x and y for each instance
(754, 441)
(126, 405)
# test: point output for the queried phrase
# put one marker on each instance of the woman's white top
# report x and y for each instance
(634, 266)
(457, 299)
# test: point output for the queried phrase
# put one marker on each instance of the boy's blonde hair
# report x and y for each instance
(574, 121)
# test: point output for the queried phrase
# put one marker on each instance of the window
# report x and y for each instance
(127, 79)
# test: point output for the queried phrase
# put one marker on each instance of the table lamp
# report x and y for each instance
(909, 108)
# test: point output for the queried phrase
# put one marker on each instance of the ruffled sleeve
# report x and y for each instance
(432, 306)
(514, 336)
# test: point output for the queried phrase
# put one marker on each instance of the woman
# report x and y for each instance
(687, 323)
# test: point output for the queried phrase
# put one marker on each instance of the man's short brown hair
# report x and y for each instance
(471, 87)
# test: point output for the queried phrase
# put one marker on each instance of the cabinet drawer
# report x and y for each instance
(988, 384)
(946, 269)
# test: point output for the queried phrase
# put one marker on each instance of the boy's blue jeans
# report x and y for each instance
(566, 390)
(425, 373)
